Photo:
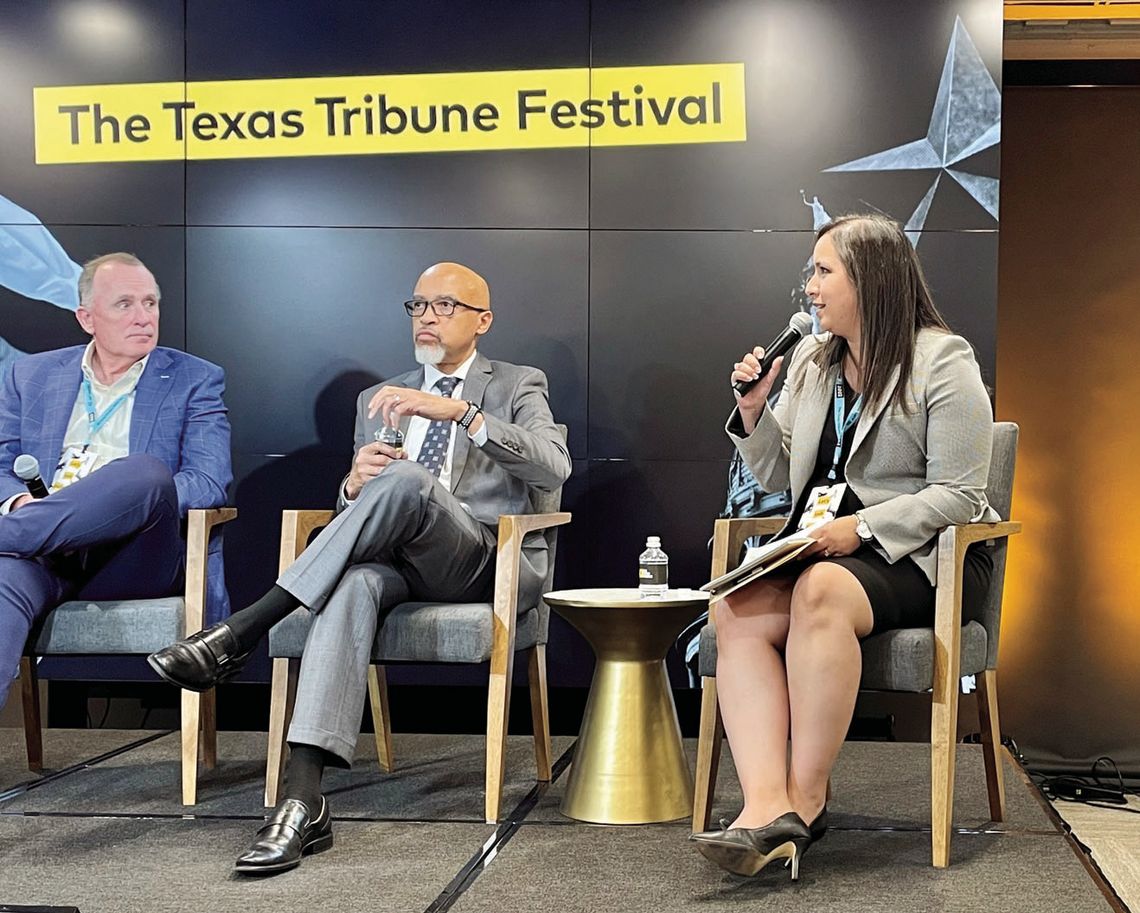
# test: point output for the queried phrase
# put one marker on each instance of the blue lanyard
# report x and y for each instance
(842, 423)
(96, 422)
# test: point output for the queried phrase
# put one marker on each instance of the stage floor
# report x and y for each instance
(103, 830)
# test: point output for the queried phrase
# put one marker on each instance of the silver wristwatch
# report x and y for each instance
(862, 530)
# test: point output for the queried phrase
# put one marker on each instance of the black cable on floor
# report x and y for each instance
(1098, 790)
(475, 866)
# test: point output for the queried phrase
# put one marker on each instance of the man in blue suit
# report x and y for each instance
(129, 437)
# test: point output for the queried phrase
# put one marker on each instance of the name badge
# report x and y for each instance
(823, 502)
(75, 464)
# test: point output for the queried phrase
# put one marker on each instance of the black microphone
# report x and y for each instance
(27, 467)
(798, 327)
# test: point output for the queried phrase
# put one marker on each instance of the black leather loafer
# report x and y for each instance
(202, 660)
(289, 834)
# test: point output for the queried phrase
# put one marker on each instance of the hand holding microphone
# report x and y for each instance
(27, 469)
(754, 375)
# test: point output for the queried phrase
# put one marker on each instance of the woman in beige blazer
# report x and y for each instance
(890, 402)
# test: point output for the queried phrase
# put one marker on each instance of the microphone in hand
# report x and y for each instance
(27, 468)
(798, 327)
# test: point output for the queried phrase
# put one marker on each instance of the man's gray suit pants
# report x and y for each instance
(405, 537)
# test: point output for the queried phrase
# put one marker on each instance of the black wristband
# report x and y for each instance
(473, 410)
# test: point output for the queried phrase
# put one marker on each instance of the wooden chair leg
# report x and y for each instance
(498, 706)
(191, 724)
(539, 711)
(210, 729)
(943, 738)
(381, 720)
(990, 727)
(708, 754)
(33, 725)
(282, 695)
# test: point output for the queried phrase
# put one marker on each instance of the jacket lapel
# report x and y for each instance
(815, 407)
(868, 417)
(413, 380)
(474, 387)
(154, 385)
(60, 392)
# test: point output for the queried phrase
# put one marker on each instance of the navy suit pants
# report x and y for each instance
(113, 535)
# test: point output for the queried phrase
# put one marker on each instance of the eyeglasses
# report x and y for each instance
(441, 307)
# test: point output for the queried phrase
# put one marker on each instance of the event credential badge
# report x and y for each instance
(822, 504)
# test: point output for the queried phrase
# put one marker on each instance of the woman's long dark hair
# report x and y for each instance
(894, 300)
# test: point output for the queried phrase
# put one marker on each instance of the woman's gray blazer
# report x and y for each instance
(916, 472)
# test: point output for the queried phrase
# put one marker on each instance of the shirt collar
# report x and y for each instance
(124, 384)
(432, 374)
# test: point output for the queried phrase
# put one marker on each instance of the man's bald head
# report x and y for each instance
(456, 281)
(447, 342)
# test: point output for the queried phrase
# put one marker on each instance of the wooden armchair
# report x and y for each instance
(135, 626)
(487, 631)
(914, 659)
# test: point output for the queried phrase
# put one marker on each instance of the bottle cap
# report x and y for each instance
(653, 542)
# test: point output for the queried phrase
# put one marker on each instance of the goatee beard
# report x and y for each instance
(430, 355)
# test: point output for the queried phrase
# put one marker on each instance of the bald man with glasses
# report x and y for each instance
(415, 523)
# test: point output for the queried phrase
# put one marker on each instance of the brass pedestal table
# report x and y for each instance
(629, 766)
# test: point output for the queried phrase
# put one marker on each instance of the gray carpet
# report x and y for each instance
(112, 836)
(117, 865)
(655, 868)
(437, 778)
(62, 748)
(877, 784)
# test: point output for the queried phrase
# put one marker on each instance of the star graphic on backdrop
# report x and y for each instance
(965, 121)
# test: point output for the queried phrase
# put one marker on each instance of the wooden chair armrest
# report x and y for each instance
(952, 544)
(969, 533)
(296, 528)
(729, 535)
(508, 554)
(198, 525)
(525, 523)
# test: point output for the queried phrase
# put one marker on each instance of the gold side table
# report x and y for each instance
(629, 766)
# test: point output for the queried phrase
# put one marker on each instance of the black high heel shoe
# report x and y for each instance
(818, 826)
(746, 850)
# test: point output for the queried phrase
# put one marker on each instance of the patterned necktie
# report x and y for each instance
(434, 449)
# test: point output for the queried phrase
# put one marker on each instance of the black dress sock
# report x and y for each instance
(303, 774)
(253, 622)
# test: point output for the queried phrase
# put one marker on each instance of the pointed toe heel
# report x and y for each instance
(745, 851)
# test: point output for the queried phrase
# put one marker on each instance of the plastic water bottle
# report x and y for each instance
(653, 569)
(393, 437)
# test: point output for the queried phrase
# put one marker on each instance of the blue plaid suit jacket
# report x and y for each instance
(178, 417)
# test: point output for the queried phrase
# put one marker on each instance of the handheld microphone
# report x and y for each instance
(27, 467)
(798, 327)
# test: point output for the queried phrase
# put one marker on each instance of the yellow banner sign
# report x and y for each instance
(369, 115)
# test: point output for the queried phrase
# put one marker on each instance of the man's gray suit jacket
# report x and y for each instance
(524, 450)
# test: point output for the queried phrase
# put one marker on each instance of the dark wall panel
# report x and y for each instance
(61, 43)
(826, 82)
(293, 310)
(35, 326)
(670, 314)
(547, 189)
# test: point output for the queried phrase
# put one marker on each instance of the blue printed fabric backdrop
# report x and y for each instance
(633, 275)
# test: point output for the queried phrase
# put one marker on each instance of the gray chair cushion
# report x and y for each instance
(122, 626)
(425, 632)
(901, 660)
